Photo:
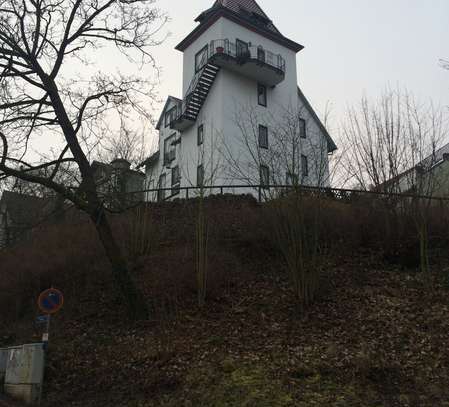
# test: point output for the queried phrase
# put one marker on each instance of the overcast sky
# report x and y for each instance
(351, 46)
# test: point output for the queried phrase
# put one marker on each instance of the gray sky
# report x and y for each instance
(351, 46)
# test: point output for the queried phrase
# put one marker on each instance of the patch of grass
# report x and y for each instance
(236, 385)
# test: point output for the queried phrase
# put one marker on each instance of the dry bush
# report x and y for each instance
(63, 255)
(159, 243)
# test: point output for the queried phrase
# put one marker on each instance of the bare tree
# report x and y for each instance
(40, 41)
(287, 146)
(384, 139)
(393, 145)
(278, 150)
(128, 142)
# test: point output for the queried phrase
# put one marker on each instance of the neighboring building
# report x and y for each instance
(20, 214)
(240, 92)
(428, 178)
(118, 184)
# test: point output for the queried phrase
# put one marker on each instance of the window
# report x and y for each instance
(291, 179)
(263, 136)
(160, 187)
(302, 128)
(264, 176)
(304, 166)
(200, 135)
(175, 180)
(260, 54)
(262, 95)
(200, 176)
(170, 116)
(201, 58)
(242, 49)
(170, 149)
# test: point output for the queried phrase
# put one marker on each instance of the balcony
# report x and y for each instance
(254, 62)
(250, 61)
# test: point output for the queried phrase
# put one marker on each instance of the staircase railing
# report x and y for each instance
(226, 47)
(182, 107)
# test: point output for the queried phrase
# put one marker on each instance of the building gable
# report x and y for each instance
(331, 146)
(171, 102)
(243, 12)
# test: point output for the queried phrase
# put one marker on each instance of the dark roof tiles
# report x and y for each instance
(244, 7)
(247, 9)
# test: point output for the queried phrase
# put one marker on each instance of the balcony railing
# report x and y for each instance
(272, 72)
(246, 53)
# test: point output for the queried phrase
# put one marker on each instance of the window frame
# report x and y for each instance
(167, 158)
(161, 189)
(200, 130)
(291, 179)
(264, 102)
(204, 50)
(261, 53)
(175, 183)
(241, 44)
(302, 129)
(266, 144)
(304, 166)
(168, 116)
(200, 170)
(264, 170)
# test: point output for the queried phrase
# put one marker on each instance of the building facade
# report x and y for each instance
(118, 185)
(430, 177)
(242, 120)
(20, 214)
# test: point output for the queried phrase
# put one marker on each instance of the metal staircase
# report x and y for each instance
(195, 97)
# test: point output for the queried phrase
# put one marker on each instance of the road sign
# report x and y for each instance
(42, 319)
(50, 301)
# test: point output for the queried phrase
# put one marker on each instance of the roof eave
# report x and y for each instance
(331, 146)
(159, 122)
(230, 15)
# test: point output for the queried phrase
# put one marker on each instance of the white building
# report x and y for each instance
(242, 120)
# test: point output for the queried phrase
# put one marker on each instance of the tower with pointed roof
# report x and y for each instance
(235, 60)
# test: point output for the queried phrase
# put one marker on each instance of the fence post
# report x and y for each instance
(187, 193)
(221, 190)
(260, 194)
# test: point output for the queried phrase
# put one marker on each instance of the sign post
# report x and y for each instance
(49, 302)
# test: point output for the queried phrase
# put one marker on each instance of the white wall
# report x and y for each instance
(215, 32)
(230, 94)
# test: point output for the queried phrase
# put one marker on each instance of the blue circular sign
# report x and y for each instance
(50, 301)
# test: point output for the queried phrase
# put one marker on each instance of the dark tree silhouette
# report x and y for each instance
(40, 40)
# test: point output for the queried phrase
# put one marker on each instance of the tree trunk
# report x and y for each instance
(133, 297)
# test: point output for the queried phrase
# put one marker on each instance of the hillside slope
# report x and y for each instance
(375, 337)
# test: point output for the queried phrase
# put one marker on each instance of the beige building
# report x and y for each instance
(428, 178)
